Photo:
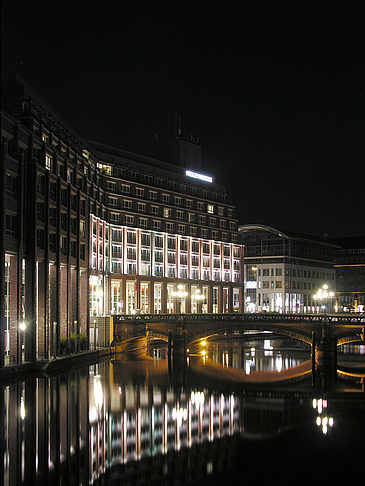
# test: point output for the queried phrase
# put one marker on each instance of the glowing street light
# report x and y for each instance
(324, 295)
(179, 294)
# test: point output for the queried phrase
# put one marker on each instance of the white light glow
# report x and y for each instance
(196, 175)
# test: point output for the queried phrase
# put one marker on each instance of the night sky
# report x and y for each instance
(276, 93)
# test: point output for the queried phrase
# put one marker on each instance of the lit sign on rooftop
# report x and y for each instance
(196, 175)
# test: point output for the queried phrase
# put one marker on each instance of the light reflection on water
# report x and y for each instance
(143, 420)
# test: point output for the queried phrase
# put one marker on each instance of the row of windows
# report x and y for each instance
(166, 199)
(172, 272)
(65, 245)
(169, 213)
(278, 284)
(171, 227)
(292, 272)
(159, 242)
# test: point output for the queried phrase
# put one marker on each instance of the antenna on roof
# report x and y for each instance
(178, 130)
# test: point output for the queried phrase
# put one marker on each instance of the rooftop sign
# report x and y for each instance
(196, 175)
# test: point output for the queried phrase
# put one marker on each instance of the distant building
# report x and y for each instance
(350, 274)
(283, 270)
(90, 230)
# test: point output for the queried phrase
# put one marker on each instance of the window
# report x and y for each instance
(10, 225)
(139, 191)
(131, 268)
(158, 271)
(129, 219)
(170, 227)
(171, 243)
(171, 257)
(143, 222)
(153, 195)
(171, 272)
(11, 185)
(158, 256)
(165, 198)
(200, 206)
(158, 241)
(40, 210)
(114, 217)
(131, 237)
(116, 251)
(179, 214)
(156, 225)
(131, 253)
(178, 201)
(195, 260)
(183, 244)
(48, 162)
(125, 189)
(166, 213)
(183, 259)
(210, 208)
(145, 239)
(110, 185)
(195, 246)
(155, 210)
(113, 201)
(145, 254)
(183, 272)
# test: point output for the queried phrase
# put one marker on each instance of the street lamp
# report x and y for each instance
(323, 295)
(197, 297)
(22, 328)
(180, 294)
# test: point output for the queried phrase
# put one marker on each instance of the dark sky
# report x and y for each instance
(275, 93)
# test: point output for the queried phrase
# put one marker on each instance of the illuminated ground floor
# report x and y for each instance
(129, 295)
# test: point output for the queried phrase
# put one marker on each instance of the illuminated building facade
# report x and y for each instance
(90, 231)
(167, 244)
(283, 270)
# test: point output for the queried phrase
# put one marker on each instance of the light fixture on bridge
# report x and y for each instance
(179, 292)
(197, 295)
(323, 295)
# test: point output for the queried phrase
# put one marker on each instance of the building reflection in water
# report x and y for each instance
(80, 427)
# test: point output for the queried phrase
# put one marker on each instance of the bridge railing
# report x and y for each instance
(245, 317)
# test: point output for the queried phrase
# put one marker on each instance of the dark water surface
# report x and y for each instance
(238, 412)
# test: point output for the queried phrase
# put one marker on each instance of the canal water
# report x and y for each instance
(234, 411)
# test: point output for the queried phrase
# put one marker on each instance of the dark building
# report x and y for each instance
(90, 230)
(350, 274)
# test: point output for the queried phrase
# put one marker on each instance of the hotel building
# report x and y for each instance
(284, 270)
(91, 230)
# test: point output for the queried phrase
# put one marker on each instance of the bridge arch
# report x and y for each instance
(196, 335)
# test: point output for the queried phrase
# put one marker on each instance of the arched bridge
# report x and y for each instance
(347, 328)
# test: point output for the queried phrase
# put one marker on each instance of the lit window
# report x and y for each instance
(210, 208)
(48, 162)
